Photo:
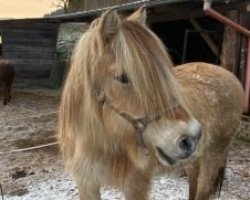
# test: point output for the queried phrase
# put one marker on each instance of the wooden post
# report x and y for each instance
(230, 51)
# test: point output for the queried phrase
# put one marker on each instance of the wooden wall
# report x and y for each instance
(31, 46)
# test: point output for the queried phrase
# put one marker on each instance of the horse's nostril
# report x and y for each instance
(198, 137)
(186, 145)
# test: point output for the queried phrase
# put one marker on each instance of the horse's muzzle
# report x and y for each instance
(186, 147)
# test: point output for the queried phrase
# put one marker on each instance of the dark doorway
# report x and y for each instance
(173, 35)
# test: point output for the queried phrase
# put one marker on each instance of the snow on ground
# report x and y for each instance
(30, 120)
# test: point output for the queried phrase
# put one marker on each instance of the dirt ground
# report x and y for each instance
(31, 119)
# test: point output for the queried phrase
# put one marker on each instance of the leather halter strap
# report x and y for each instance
(140, 124)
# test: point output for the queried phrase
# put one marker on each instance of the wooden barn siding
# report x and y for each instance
(31, 47)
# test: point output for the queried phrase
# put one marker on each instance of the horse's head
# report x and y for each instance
(128, 77)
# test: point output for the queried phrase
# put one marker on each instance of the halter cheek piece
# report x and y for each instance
(139, 124)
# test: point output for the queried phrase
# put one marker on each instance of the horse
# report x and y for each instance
(126, 114)
(7, 73)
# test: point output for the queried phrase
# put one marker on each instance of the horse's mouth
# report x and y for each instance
(165, 157)
(172, 160)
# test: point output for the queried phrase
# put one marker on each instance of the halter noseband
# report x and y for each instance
(139, 124)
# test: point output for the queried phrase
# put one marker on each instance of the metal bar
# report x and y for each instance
(227, 21)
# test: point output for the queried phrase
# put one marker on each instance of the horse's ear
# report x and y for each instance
(109, 24)
(139, 15)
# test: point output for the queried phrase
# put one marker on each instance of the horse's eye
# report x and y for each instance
(123, 78)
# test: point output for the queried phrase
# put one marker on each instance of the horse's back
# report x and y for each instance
(214, 95)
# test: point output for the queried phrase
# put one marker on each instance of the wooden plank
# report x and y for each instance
(33, 71)
(28, 33)
(26, 48)
(31, 25)
(31, 82)
(28, 40)
(25, 61)
(40, 74)
(28, 55)
(34, 66)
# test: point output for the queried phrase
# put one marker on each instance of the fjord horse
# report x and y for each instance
(7, 73)
(127, 115)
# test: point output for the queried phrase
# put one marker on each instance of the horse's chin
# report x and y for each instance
(172, 163)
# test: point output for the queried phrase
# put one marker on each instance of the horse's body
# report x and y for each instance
(215, 98)
(7, 73)
(126, 115)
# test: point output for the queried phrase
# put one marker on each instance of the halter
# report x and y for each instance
(139, 124)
